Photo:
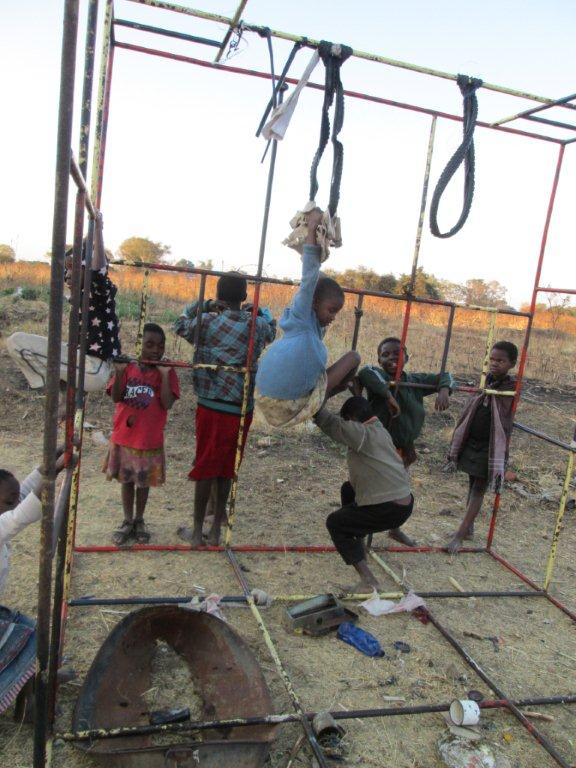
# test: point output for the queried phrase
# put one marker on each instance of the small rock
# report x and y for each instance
(279, 480)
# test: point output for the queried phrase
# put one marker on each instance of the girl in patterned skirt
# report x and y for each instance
(143, 395)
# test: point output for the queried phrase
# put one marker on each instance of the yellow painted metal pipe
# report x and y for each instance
(168, 6)
(489, 343)
(559, 519)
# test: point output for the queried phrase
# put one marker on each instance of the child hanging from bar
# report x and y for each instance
(377, 495)
(479, 444)
(292, 380)
(143, 395)
(403, 413)
(224, 337)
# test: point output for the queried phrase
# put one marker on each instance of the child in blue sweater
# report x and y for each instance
(292, 380)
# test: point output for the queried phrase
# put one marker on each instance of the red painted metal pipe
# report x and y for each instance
(318, 87)
(557, 290)
(524, 353)
(527, 580)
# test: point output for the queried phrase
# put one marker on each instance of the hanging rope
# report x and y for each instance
(280, 82)
(333, 57)
(465, 152)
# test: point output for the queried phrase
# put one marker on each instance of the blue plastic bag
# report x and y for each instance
(360, 639)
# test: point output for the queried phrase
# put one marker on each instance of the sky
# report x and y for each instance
(183, 163)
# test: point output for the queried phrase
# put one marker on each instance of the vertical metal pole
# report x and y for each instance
(559, 518)
(543, 242)
(250, 354)
(102, 105)
(524, 353)
(59, 526)
(489, 343)
(200, 309)
(358, 312)
(447, 340)
(89, 55)
(63, 152)
(142, 318)
(419, 230)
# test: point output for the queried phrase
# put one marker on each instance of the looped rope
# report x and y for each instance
(333, 57)
(465, 152)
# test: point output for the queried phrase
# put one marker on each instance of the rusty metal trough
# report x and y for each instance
(226, 676)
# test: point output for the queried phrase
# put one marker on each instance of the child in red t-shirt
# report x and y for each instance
(143, 395)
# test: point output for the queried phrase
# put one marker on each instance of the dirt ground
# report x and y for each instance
(285, 491)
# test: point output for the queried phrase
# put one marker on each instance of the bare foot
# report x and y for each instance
(190, 536)
(213, 538)
(398, 535)
(207, 525)
(454, 545)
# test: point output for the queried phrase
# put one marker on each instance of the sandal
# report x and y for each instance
(122, 534)
(141, 533)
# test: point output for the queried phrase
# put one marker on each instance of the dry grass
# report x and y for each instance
(552, 349)
(285, 492)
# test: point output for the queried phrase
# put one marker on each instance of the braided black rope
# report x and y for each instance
(465, 152)
(333, 88)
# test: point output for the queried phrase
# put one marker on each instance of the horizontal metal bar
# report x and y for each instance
(318, 87)
(351, 291)
(311, 43)
(556, 290)
(173, 600)
(533, 110)
(289, 717)
(554, 123)
(231, 599)
(545, 437)
(80, 182)
(166, 32)
(455, 388)
(183, 364)
(311, 549)
(528, 580)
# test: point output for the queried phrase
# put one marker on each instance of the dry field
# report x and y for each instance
(285, 491)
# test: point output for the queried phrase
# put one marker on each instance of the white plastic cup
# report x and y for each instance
(464, 712)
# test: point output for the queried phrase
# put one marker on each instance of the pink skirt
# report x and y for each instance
(146, 469)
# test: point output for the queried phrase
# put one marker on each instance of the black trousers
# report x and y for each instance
(348, 525)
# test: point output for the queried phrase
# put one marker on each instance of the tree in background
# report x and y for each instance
(140, 250)
(425, 285)
(7, 253)
(363, 278)
(485, 294)
(185, 263)
(208, 264)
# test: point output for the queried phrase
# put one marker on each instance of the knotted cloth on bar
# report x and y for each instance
(500, 429)
(17, 655)
(327, 232)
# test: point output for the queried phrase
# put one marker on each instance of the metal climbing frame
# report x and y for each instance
(58, 538)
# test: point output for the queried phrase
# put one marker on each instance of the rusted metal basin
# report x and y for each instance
(225, 673)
